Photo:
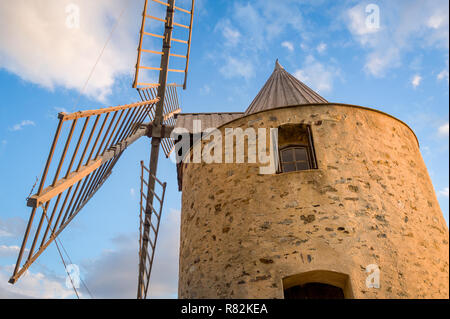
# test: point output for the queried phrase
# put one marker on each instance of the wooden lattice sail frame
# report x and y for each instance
(87, 153)
(167, 40)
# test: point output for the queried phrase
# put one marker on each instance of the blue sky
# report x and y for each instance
(400, 68)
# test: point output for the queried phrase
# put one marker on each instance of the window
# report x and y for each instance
(294, 158)
(296, 148)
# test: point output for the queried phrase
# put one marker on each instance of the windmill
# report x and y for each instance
(104, 134)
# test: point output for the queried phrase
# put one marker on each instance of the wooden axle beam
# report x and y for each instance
(165, 131)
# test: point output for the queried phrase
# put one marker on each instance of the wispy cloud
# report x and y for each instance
(61, 110)
(444, 130)
(356, 22)
(288, 45)
(205, 90)
(322, 47)
(237, 68)
(260, 23)
(444, 192)
(20, 126)
(416, 80)
(231, 35)
(33, 285)
(443, 75)
(319, 76)
(8, 251)
(404, 25)
(12, 227)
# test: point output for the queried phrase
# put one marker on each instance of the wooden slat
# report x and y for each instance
(156, 179)
(175, 85)
(174, 70)
(182, 10)
(150, 68)
(189, 46)
(149, 85)
(154, 35)
(154, 194)
(178, 40)
(163, 3)
(181, 25)
(151, 51)
(178, 55)
(154, 229)
(66, 117)
(171, 114)
(155, 18)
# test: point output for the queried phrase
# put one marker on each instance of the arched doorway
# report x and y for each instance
(318, 284)
(314, 290)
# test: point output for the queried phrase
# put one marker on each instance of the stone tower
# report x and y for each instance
(351, 206)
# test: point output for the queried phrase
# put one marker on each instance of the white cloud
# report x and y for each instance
(444, 129)
(444, 192)
(237, 68)
(443, 75)
(12, 227)
(263, 20)
(132, 192)
(205, 90)
(379, 61)
(33, 285)
(416, 80)
(438, 20)
(321, 47)
(356, 18)
(38, 46)
(21, 125)
(316, 75)
(8, 251)
(61, 110)
(231, 34)
(404, 25)
(115, 273)
(288, 45)
(260, 23)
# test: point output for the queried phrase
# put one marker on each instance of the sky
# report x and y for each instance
(398, 64)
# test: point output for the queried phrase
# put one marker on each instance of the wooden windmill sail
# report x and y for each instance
(88, 144)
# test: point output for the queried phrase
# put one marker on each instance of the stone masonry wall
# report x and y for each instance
(370, 202)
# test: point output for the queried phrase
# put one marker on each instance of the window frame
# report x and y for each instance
(310, 151)
(294, 147)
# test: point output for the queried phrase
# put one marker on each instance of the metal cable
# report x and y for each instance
(102, 51)
(68, 257)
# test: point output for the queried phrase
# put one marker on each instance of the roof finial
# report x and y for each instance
(278, 65)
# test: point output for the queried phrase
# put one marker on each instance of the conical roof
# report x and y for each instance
(283, 89)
